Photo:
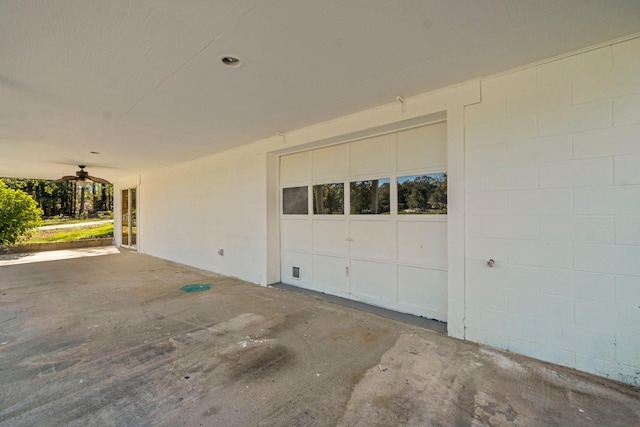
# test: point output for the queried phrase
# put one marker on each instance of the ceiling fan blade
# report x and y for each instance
(65, 178)
(99, 180)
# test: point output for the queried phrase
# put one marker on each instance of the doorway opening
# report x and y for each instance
(129, 237)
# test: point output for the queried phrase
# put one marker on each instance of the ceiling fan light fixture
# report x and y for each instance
(82, 178)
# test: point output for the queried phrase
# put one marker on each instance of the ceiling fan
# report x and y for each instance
(82, 177)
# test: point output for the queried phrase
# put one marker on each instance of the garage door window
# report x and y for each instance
(328, 199)
(295, 200)
(370, 197)
(422, 194)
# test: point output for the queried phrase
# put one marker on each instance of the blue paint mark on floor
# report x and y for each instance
(195, 288)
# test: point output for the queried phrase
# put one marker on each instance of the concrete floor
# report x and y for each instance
(108, 338)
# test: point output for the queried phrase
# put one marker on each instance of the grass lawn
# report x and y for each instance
(80, 232)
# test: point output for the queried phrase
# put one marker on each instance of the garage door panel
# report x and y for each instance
(372, 280)
(331, 163)
(295, 168)
(423, 289)
(301, 261)
(423, 243)
(330, 236)
(371, 156)
(330, 273)
(371, 239)
(424, 147)
(296, 234)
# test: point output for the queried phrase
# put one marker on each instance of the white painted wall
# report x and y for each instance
(553, 195)
(543, 178)
(190, 211)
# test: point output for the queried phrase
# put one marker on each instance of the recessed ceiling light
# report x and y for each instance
(231, 61)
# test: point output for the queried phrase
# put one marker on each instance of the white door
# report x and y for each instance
(366, 220)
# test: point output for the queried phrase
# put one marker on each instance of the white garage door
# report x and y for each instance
(367, 220)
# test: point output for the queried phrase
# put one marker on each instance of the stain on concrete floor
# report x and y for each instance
(111, 341)
(475, 385)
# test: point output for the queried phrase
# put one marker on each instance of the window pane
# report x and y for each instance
(134, 221)
(125, 217)
(295, 201)
(422, 194)
(370, 197)
(328, 199)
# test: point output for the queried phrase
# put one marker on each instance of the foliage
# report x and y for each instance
(370, 197)
(419, 194)
(424, 194)
(75, 233)
(19, 215)
(65, 198)
(328, 199)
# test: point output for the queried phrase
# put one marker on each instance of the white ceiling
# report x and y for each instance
(141, 82)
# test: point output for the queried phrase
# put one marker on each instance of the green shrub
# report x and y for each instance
(19, 215)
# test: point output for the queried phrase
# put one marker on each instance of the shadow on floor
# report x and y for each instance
(423, 322)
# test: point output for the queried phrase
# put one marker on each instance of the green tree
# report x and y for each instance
(19, 215)
(65, 198)
(438, 197)
(328, 199)
(384, 198)
(361, 197)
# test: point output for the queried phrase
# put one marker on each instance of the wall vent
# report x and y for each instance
(296, 272)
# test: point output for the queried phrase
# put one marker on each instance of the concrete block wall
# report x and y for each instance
(552, 181)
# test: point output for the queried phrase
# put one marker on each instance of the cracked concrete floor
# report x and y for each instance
(109, 339)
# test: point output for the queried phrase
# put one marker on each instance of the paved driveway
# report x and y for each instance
(76, 224)
(109, 339)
